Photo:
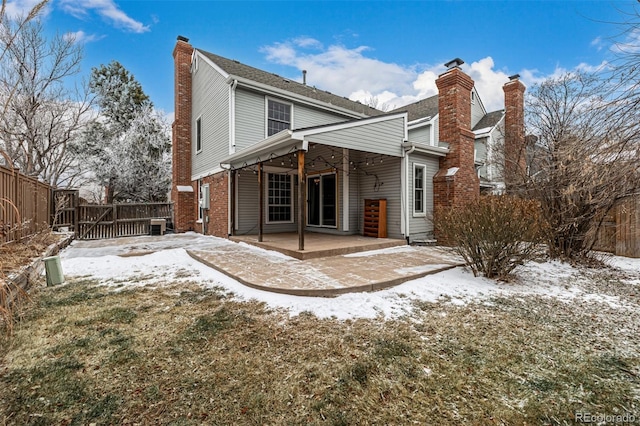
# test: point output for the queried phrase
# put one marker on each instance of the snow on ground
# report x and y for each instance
(156, 262)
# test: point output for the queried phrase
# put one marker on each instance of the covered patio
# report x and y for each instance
(318, 244)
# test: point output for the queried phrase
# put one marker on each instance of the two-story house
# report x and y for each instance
(257, 153)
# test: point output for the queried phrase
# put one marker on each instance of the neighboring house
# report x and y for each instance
(319, 156)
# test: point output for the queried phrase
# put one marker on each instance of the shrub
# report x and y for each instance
(494, 234)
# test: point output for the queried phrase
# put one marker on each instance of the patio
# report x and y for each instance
(318, 244)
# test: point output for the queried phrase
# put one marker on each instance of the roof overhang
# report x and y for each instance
(289, 141)
(280, 144)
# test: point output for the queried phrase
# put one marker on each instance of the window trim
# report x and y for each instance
(266, 113)
(266, 200)
(198, 135)
(416, 166)
(199, 205)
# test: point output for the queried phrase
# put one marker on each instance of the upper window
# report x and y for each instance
(419, 178)
(278, 117)
(279, 201)
(198, 135)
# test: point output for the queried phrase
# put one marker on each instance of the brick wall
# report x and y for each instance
(184, 219)
(514, 140)
(453, 189)
(218, 223)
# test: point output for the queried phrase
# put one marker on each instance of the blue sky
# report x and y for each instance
(390, 50)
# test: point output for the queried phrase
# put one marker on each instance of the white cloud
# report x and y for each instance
(82, 37)
(107, 9)
(21, 8)
(351, 72)
(354, 73)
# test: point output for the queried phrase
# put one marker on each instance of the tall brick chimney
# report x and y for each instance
(456, 181)
(514, 140)
(182, 191)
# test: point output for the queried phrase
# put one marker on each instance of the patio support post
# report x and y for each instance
(302, 187)
(260, 202)
(232, 201)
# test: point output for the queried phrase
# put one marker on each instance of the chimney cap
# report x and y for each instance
(514, 77)
(454, 63)
(183, 38)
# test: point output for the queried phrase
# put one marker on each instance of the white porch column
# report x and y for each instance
(345, 189)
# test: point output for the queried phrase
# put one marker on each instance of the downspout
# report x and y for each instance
(232, 116)
(232, 150)
(405, 194)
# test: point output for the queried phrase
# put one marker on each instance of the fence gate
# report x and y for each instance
(65, 209)
(120, 220)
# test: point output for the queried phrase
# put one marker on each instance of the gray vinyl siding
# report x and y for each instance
(421, 227)
(495, 162)
(304, 116)
(210, 103)
(388, 186)
(250, 118)
(421, 135)
(383, 137)
(477, 112)
(481, 156)
(248, 207)
(436, 131)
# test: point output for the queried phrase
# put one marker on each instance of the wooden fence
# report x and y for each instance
(620, 230)
(65, 209)
(25, 205)
(119, 220)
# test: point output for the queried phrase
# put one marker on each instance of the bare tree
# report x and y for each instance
(42, 118)
(584, 160)
(374, 102)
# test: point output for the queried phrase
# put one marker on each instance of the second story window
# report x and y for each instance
(278, 116)
(198, 135)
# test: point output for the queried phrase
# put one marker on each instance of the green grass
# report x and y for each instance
(187, 356)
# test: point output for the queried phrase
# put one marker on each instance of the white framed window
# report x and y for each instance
(278, 116)
(201, 194)
(199, 135)
(419, 183)
(279, 198)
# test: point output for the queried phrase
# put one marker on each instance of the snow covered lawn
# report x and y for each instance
(155, 337)
(160, 262)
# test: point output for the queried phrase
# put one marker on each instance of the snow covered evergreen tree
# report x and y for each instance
(128, 147)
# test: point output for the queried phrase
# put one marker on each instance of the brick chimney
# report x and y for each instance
(456, 181)
(182, 190)
(514, 140)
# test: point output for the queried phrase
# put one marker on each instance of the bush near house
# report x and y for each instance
(494, 234)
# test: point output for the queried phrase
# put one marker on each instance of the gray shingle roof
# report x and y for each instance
(489, 120)
(238, 69)
(427, 107)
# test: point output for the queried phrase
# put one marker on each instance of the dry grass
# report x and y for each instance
(17, 254)
(188, 355)
(13, 257)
